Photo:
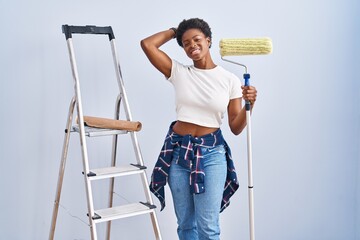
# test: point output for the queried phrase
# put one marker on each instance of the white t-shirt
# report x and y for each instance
(202, 95)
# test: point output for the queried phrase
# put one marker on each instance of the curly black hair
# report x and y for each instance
(190, 24)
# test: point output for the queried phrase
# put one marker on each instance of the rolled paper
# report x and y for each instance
(108, 123)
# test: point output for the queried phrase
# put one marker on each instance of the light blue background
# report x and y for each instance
(305, 126)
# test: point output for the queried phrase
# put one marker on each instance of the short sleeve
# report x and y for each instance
(174, 70)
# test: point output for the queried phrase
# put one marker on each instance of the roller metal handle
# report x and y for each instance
(88, 29)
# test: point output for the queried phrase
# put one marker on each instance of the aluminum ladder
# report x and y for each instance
(112, 212)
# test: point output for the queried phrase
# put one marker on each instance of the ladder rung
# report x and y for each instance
(96, 132)
(123, 211)
(109, 172)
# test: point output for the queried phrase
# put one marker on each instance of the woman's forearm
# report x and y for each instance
(158, 58)
(158, 39)
(238, 123)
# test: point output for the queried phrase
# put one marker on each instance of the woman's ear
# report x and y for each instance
(209, 41)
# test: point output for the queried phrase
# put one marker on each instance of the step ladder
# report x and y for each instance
(112, 212)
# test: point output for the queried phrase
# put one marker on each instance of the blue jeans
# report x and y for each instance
(198, 214)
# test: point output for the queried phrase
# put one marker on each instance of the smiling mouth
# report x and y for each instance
(195, 51)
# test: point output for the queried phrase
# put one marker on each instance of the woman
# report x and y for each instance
(195, 159)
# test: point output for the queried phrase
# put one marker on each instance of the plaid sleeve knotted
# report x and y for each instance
(190, 158)
(161, 170)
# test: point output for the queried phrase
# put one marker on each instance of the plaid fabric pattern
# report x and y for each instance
(190, 158)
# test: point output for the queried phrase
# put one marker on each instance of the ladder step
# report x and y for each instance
(123, 211)
(97, 132)
(109, 172)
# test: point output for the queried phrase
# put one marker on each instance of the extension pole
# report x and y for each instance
(249, 153)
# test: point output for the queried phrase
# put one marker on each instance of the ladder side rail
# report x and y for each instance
(155, 225)
(141, 161)
(149, 199)
(113, 163)
(134, 138)
(82, 139)
(145, 184)
(120, 80)
(125, 101)
(62, 169)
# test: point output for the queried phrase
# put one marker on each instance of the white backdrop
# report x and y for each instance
(305, 126)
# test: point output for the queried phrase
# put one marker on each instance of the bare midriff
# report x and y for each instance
(185, 128)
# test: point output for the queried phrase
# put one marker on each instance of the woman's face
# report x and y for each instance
(195, 44)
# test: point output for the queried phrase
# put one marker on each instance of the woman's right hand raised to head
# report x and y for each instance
(151, 47)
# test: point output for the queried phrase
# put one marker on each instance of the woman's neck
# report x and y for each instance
(205, 63)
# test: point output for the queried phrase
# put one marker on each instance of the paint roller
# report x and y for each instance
(239, 47)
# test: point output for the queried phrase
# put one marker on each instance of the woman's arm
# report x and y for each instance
(158, 58)
(237, 113)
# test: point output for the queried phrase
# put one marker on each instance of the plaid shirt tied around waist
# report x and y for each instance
(190, 158)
